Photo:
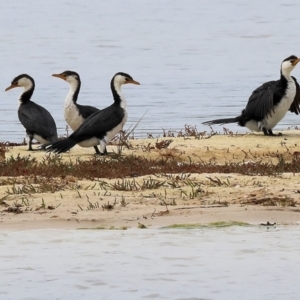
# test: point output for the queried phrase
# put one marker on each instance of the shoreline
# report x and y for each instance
(176, 218)
(159, 200)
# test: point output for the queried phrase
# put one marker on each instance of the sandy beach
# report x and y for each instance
(159, 200)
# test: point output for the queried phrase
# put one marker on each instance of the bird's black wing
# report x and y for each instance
(37, 119)
(86, 110)
(99, 123)
(261, 102)
(295, 106)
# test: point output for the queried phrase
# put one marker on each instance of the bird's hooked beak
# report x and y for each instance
(132, 81)
(295, 62)
(12, 86)
(62, 76)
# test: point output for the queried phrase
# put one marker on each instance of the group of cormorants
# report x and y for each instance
(91, 127)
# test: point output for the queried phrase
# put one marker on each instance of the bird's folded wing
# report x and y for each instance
(295, 106)
(37, 119)
(261, 103)
(99, 123)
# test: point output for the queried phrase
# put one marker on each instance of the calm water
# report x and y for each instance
(234, 263)
(196, 60)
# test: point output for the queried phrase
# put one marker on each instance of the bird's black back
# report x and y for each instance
(85, 110)
(99, 123)
(37, 119)
(263, 100)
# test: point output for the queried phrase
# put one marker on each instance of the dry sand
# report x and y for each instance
(79, 204)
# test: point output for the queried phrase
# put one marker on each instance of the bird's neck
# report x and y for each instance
(286, 75)
(117, 94)
(73, 92)
(27, 93)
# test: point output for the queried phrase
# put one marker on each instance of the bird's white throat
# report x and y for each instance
(118, 89)
(69, 102)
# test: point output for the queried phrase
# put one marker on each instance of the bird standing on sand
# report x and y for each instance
(101, 126)
(270, 102)
(75, 113)
(37, 121)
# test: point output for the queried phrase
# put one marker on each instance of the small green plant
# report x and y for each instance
(79, 195)
(174, 184)
(166, 203)
(195, 190)
(103, 184)
(123, 203)
(91, 206)
(150, 183)
(42, 206)
(217, 181)
(25, 201)
(22, 189)
(125, 185)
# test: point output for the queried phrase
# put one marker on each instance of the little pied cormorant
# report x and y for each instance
(37, 121)
(270, 102)
(75, 113)
(101, 126)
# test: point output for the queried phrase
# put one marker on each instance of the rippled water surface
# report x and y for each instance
(196, 60)
(232, 263)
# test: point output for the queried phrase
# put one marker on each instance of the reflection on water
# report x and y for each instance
(195, 62)
(232, 263)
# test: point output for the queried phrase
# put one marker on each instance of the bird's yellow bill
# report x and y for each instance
(132, 81)
(11, 87)
(62, 76)
(295, 61)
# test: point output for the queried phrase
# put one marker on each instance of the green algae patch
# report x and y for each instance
(227, 224)
(184, 226)
(220, 224)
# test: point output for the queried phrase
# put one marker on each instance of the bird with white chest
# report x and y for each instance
(102, 126)
(270, 102)
(75, 113)
(38, 122)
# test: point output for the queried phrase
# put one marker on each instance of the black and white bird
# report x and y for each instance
(75, 113)
(101, 126)
(270, 102)
(38, 122)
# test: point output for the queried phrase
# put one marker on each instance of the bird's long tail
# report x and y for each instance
(222, 121)
(60, 146)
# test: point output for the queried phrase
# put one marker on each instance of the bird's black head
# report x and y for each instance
(69, 76)
(124, 78)
(288, 65)
(292, 59)
(23, 80)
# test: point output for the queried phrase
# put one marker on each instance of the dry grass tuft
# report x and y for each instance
(132, 166)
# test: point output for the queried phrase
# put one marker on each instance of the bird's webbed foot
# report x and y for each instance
(270, 132)
(97, 152)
